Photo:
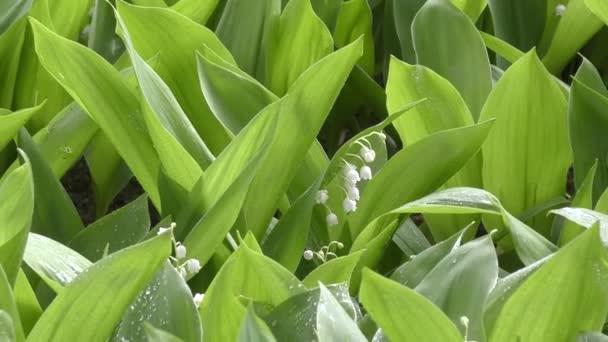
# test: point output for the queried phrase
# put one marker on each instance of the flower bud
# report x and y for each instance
(366, 172)
(180, 252)
(349, 205)
(198, 299)
(193, 266)
(308, 255)
(331, 219)
(322, 196)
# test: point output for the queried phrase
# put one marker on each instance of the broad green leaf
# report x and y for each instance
(246, 274)
(10, 123)
(55, 263)
(102, 36)
(585, 218)
(444, 109)
(412, 272)
(460, 283)
(176, 38)
(16, 211)
(410, 239)
(55, 216)
(333, 323)
(502, 48)
(11, 12)
(120, 229)
(570, 283)
(7, 329)
(111, 284)
(354, 20)
(510, 16)
(530, 113)
(11, 43)
(253, 329)
(504, 289)
(575, 28)
(327, 10)
(599, 8)
(591, 337)
(583, 199)
(403, 14)
(27, 303)
(302, 311)
(244, 28)
(587, 121)
(296, 41)
(105, 95)
(448, 42)
(471, 8)
(169, 114)
(385, 299)
(198, 11)
(8, 305)
(417, 170)
(157, 335)
(167, 304)
(335, 271)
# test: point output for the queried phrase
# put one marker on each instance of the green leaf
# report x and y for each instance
(244, 28)
(106, 96)
(8, 305)
(327, 10)
(157, 335)
(460, 283)
(11, 12)
(583, 199)
(333, 323)
(16, 211)
(55, 216)
(502, 48)
(11, 43)
(254, 329)
(444, 109)
(530, 112)
(591, 337)
(472, 8)
(177, 66)
(7, 329)
(167, 304)
(91, 306)
(587, 121)
(403, 16)
(355, 20)
(385, 299)
(410, 239)
(599, 8)
(221, 311)
(448, 42)
(335, 271)
(297, 41)
(10, 123)
(120, 229)
(575, 28)
(55, 263)
(570, 283)
(417, 170)
(27, 303)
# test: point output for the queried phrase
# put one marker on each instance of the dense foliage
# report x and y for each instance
(329, 170)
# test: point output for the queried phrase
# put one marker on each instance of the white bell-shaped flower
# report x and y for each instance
(349, 205)
(193, 266)
(560, 9)
(353, 193)
(351, 174)
(308, 255)
(180, 251)
(331, 219)
(365, 172)
(367, 154)
(322, 196)
(198, 299)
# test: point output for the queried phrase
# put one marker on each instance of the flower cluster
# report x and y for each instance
(352, 175)
(184, 267)
(325, 253)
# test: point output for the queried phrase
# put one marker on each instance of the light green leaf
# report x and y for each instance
(448, 42)
(385, 299)
(106, 96)
(16, 211)
(569, 283)
(575, 28)
(157, 335)
(120, 229)
(502, 48)
(403, 14)
(27, 303)
(11, 12)
(11, 43)
(530, 112)
(583, 199)
(10, 123)
(599, 8)
(355, 20)
(335, 271)
(591, 337)
(167, 304)
(244, 28)
(8, 305)
(333, 323)
(296, 42)
(472, 8)
(253, 329)
(221, 311)
(55, 263)
(7, 329)
(91, 306)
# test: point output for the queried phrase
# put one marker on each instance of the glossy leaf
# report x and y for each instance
(333, 323)
(335, 271)
(583, 199)
(112, 284)
(12, 122)
(8, 305)
(254, 329)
